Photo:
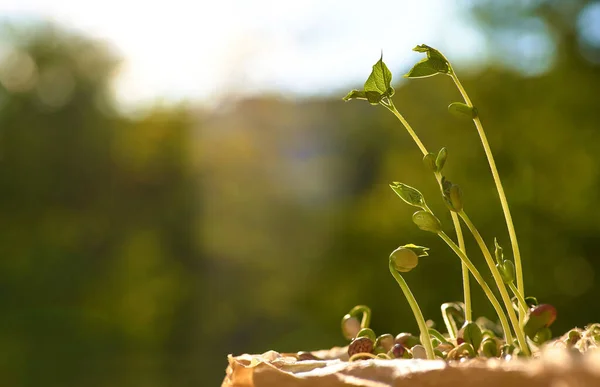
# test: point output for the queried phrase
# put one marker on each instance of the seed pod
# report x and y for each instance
(429, 161)
(407, 340)
(507, 271)
(489, 347)
(350, 326)
(360, 345)
(397, 351)
(367, 332)
(403, 259)
(471, 333)
(541, 316)
(418, 352)
(385, 341)
(426, 221)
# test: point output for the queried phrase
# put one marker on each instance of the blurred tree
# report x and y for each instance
(97, 219)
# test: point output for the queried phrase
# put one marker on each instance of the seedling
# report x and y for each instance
(521, 328)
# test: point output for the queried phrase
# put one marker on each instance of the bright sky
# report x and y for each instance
(207, 49)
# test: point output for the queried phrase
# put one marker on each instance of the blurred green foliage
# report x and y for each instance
(140, 252)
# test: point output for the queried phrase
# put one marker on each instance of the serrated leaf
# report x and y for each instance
(409, 194)
(462, 110)
(355, 94)
(380, 78)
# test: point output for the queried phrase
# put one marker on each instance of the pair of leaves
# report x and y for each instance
(377, 86)
(434, 63)
(436, 162)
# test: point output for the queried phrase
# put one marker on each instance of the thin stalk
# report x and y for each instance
(425, 337)
(499, 283)
(366, 315)
(486, 289)
(522, 304)
(459, 235)
(509, 222)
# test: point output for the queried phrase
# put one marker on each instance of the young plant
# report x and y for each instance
(436, 63)
(533, 320)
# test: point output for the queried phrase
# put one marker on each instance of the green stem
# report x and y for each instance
(509, 222)
(459, 235)
(407, 126)
(437, 335)
(499, 283)
(425, 338)
(522, 303)
(486, 289)
(448, 319)
(366, 315)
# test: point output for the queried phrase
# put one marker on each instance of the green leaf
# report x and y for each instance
(380, 79)
(498, 252)
(462, 110)
(419, 250)
(409, 194)
(426, 221)
(435, 63)
(452, 195)
(367, 332)
(439, 61)
(422, 69)
(440, 160)
(355, 94)
(377, 86)
(507, 271)
(471, 333)
(429, 161)
(373, 97)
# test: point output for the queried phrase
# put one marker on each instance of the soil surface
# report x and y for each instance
(554, 367)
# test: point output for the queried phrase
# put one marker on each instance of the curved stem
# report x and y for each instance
(448, 319)
(425, 338)
(486, 289)
(438, 335)
(459, 235)
(509, 222)
(499, 282)
(522, 303)
(366, 315)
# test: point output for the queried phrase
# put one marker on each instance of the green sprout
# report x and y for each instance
(530, 320)
(398, 263)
